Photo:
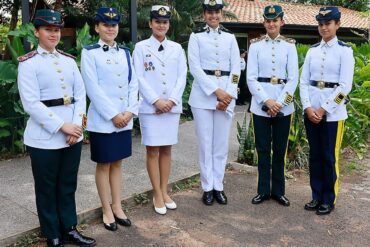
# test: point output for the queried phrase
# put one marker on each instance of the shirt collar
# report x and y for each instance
(269, 38)
(155, 42)
(44, 52)
(215, 30)
(330, 42)
(102, 43)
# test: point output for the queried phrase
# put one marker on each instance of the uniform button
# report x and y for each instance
(116, 62)
(121, 98)
(56, 62)
(50, 114)
(216, 45)
(164, 92)
(59, 71)
(217, 54)
(273, 55)
(162, 64)
(42, 125)
(322, 66)
(118, 74)
(62, 78)
(258, 89)
(323, 59)
(164, 83)
(218, 62)
(63, 87)
(273, 69)
(273, 48)
(120, 86)
(163, 74)
(273, 61)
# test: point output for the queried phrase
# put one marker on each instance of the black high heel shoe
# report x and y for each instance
(111, 226)
(122, 222)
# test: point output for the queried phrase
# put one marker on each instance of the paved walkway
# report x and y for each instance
(18, 214)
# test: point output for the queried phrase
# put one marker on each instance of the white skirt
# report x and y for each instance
(159, 130)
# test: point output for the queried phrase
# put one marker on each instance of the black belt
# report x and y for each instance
(272, 80)
(217, 73)
(58, 102)
(324, 84)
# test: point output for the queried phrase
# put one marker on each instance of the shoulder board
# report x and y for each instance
(123, 47)
(343, 43)
(258, 39)
(223, 29)
(66, 54)
(315, 45)
(289, 40)
(27, 56)
(93, 46)
(200, 29)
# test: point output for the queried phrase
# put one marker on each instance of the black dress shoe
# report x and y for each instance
(220, 197)
(208, 197)
(56, 242)
(111, 226)
(281, 199)
(122, 222)
(312, 205)
(260, 198)
(324, 209)
(75, 238)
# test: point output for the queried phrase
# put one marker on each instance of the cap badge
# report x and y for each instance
(212, 2)
(324, 12)
(162, 12)
(110, 14)
(271, 10)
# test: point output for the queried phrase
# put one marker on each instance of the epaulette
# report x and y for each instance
(263, 37)
(201, 29)
(27, 56)
(224, 29)
(66, 54)
(93, 46)
(315, 45)
(289, 40)
(343, 43)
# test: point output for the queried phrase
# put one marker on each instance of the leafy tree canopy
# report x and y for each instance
(359, 5)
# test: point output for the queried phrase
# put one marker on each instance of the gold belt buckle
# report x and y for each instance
(218, 73)
(274, 80)
(321, 84)
(67, 101)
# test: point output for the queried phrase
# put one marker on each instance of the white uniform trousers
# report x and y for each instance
(212, 129)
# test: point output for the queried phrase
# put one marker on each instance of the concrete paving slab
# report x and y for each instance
(17, 189)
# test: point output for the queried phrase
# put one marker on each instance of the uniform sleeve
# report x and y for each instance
(182, 71)
(252, 75)
(287, 94)
(101, 101)
(242, 64)
(79, 95)
(232, 86)
(29, 91)
(133, 88)
(146, 91)
(205, 82)
(304, 85)
(338, 96)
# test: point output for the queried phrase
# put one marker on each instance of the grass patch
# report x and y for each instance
(192, 182)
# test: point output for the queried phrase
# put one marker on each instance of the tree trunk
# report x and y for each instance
(14, 13)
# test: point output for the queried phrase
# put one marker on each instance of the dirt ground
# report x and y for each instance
(242, 224)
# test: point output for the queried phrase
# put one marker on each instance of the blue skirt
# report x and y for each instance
(110, 147)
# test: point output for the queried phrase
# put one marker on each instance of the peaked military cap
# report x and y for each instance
(273, 11)
(48, 17)
(212, 4)
(108, 15)
(328, 14)
(160, 12)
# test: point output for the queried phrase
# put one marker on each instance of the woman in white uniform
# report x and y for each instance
(161, 68)
(112, 87)
(214, 62)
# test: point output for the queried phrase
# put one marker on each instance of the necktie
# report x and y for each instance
(105, 47)
(161, 48)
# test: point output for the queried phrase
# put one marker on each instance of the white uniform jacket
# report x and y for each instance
(213, 49)
(161, 75)
(47, 76)
(105, 74)
(269, 58)
(329, 62)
